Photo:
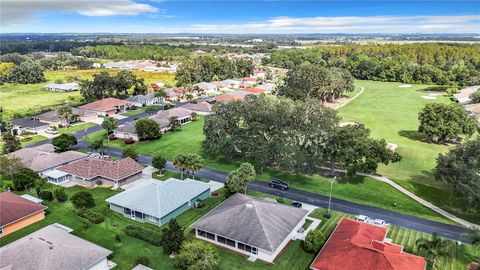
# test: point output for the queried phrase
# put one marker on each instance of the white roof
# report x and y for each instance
(63, 86)
(159, 198)
(55, 174)
(32, 198)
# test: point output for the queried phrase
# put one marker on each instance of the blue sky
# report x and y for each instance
(270, 16)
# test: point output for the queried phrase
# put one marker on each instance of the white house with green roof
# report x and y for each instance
(157, 202)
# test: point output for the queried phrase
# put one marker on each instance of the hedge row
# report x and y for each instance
(149, 236)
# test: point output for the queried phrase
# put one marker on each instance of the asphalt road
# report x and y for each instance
(412, 222)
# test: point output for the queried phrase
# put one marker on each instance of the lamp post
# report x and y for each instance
(330, 197)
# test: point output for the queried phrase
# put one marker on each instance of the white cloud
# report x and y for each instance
(349, 24)
(21, 11)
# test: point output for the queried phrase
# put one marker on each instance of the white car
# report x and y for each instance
(51, 131)
(379, 222)
(363, 218)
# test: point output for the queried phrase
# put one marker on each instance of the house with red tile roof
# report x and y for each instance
(362, 246)
(96, 171)
(232, 96)
(17, 213)
(107, 106)
(254, 90)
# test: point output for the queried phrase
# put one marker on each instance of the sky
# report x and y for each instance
(239, 17)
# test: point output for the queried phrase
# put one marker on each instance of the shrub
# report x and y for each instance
(128, 141)
(199, 204)
(46, 195)
(92, 216)
(215, 194)
(82, 199)
(117, 238)
(147, 129)
(282, 200)
(64, 142)
(197, 255)
(112, 137)
(314, 241)
(142, 260)
(149, 236)
(60, 194)
(85, 226)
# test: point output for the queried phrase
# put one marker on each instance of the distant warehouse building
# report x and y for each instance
(62, 87)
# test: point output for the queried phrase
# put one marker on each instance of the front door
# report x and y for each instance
(132, 214)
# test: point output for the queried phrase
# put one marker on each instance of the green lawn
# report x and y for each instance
(357, 189)
(76, 127)
(458, 256)
(124, 254)
(391, 113)
(32, 139)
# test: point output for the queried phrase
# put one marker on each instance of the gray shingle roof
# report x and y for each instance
(254, 221)
(51, 248)
(39, 160)
(27, 123)
(141, 98)
(159, 198)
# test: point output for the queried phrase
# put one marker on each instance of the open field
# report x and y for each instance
(124, 253)
(391, 113)
(32, 98)
(356, 189)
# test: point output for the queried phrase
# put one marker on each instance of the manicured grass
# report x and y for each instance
(459, 256)
(307, 224)
(76, 127)
(327, 225)
(32, 139)
(391, 113)
(357, 189)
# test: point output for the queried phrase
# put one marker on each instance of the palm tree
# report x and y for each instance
(195, 163)
(65, 112)
(180, 163)
(434, 248)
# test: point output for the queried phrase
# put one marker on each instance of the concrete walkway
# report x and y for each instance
(416, 198)
(362, 89)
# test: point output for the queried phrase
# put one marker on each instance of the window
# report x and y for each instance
(153, 219)
(138, 215)
(254, 250)
(241, 246)
(248, 248)
(127, 211)
(221, 239)
(201, 233)
(210, 236)
(231, 243)
(1, 230)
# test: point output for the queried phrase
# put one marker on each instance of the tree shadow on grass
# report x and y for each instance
(412, 135)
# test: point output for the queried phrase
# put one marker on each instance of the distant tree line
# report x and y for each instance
(297, 136)
(28, 46)
(132, 52)
(208, 68)
(104, 85)
(445, 64)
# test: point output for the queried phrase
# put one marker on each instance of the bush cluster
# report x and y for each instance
(92, 216)
(149, 236)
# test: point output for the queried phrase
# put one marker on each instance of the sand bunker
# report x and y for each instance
(392, 146)
(405, 86)
(429, 97)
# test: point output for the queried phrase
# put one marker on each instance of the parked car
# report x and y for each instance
(379, 222)
(275, 183)
(51, 131)
(297, 204)
(363, 218)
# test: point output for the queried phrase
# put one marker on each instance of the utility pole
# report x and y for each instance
(330, 197)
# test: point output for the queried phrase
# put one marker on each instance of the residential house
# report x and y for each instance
(128, 130)
(107, 106)
(175, 93)
(96, 171)
(200, 107)
(43, 161)
(157, 202)
(220, 85)
(248, 81)
(21, 125)
(53, 119)
(17, 213)
(53, 247)
(254, 90)
(474, 110)
(235, 84)
(62, 87)
(157, 85)
(463, 97)
(259, 74)
(232, 96)
(256, 227)
(363, 246)
(208, 88)
(267, 87)
(145, 100)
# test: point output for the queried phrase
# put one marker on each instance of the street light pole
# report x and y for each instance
(330, 197)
